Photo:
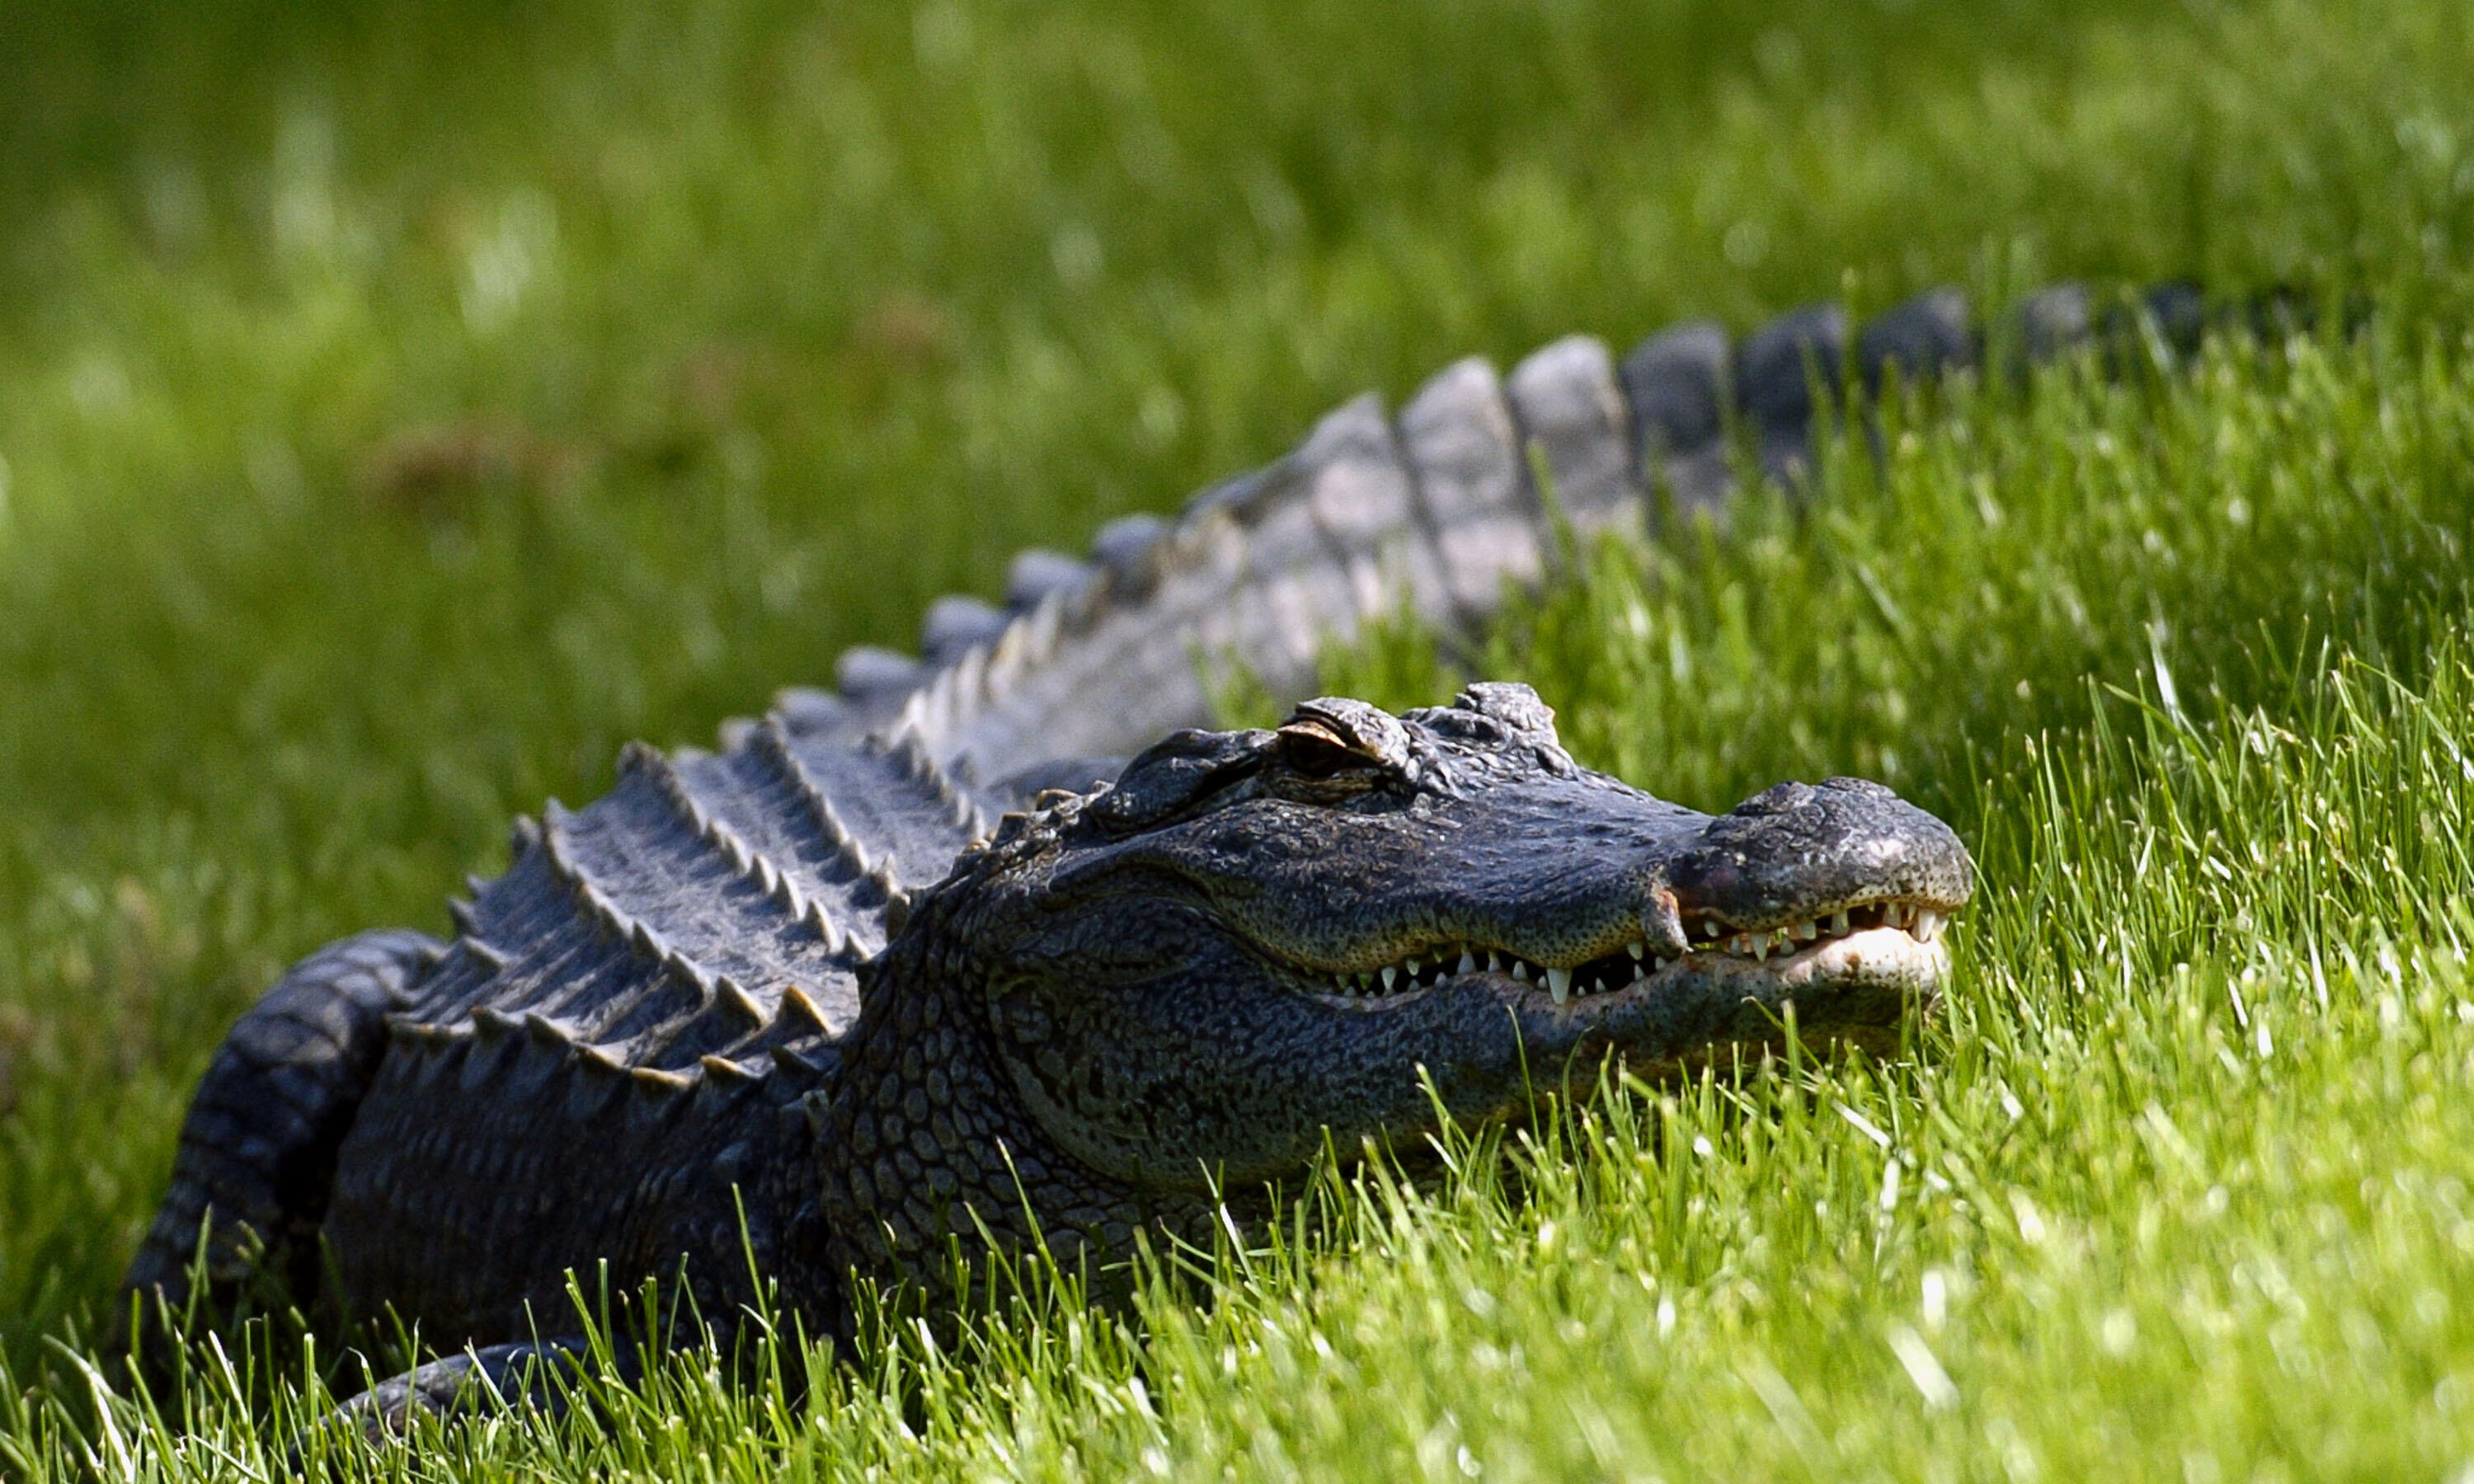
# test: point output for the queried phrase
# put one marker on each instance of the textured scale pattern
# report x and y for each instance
(663, 975)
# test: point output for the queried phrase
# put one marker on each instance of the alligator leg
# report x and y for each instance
(537, 1373)
(256, 1156)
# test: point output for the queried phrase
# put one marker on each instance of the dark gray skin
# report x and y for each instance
(1123, 1002)
(1230, 875)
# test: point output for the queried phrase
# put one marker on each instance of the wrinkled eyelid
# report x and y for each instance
(1318, 750)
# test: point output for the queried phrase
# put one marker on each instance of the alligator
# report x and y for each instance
(917, 970)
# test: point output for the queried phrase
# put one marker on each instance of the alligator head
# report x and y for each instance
(1180, 983)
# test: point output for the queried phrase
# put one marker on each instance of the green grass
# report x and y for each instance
(753, 327)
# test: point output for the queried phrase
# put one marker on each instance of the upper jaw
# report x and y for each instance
(1899, 938)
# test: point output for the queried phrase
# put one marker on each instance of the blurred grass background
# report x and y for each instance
(402, 407)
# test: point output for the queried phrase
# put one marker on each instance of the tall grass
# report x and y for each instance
(2178, 1187)
(400, 409)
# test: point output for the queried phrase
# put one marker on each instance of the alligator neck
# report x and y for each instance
(927, 1148)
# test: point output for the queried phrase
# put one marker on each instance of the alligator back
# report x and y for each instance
(625, 1024)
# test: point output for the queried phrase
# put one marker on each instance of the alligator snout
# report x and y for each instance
(1797, 852)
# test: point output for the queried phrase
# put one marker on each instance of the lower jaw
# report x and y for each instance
(1877, 961)
(1719, 1012)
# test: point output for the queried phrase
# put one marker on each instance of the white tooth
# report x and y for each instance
(1389, 974)
(1636, 948)
(1804, 932)
(1364, 980)
(1838, 924)
(1559, 983)
(1521, 970)
(1469, 964)
(1895, 914)
(1494, 962)
(1414, 966)
(1739, 945)
(1760, 948)
(1928, 924)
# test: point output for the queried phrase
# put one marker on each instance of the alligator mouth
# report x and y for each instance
(1900, 930)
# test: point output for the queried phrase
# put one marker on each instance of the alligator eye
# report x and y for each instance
(1316, 751)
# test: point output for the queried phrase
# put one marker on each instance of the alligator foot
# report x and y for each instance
(535, 1375)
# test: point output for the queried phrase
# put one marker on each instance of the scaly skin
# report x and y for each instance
(1123, 1010)
(1149, 995)
(737, 1018)
(737, 1007)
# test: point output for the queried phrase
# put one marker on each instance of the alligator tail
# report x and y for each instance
(1440, 508)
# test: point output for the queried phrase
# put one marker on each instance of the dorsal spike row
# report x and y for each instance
(548, 1034)
(744, 860)
(951, 694)
(946, 697)
(912, 757)
(792, 1063)
(657, 1082)
(775, 748)
(492, 958)
(686, 970)
(822, 922)
(425, 1033)
(556, 847)
(1012, 653)
(883, 879)
(910, 750)
(459, 911)
(493, 1024)
(725, 1074)
(608, 919)
(964, 686)
(734, 997)
(524, 833)
(675, 793)
(642, 937)
(800, 1013)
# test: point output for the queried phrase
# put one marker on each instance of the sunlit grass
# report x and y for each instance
(2179, 1184)
(737, 331)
